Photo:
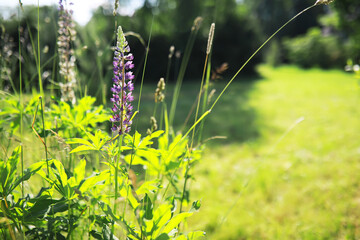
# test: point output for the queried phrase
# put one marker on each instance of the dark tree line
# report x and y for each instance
(241, 26)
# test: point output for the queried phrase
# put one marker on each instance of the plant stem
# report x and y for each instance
(21, 125)
(205, 98)
(180, 77)
(43, 123)
(38, 43)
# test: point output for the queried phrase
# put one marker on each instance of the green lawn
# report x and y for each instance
(290, 167)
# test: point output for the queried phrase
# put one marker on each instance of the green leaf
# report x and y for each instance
(79, 141)
(79, 171)
(148, 187)
(175, 221)
(127, 193)
(147, 140)
(162, 215)
(62, 177)
(148, 207)
(83, 148)
(8, 172)
(33, 169)
(93, 180)
(163, 236)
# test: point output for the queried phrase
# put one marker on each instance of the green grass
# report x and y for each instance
(276, 178)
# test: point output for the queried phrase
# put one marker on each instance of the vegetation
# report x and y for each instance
(82, 158)
(292, 174)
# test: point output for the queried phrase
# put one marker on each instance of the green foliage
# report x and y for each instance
(315, 49)
(78, 119)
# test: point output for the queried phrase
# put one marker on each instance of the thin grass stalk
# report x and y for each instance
(12, 83)
(21, 126)
(45, 145)
(38, 52)
(199, 98)
(217, 99)
(208, 50)
(257, 50)
(137, 119)
(180, 77)
(30, 34)
(182, 139)
(205, 98)
(193, 132)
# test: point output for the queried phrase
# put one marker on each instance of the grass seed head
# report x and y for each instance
(211, 38)
(159, 92)
(197, 24)
(171, 51)
(319, 2)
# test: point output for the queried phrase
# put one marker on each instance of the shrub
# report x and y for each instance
(315, 49)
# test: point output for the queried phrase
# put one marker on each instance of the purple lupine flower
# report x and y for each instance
(122, 86)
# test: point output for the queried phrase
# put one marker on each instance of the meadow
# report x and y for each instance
(271, 155)
(291, 168)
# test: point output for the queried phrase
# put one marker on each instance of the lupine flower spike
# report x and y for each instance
(122, 86)
(67, 59)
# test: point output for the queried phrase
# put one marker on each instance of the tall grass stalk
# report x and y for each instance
(205, 98)
(136, 122)
(257, 50)
(183, 66)
(31, 36)
(43, 125)
(21, 124)
(208, 50)
(38, 51)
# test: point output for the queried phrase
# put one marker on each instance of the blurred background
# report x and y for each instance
(324, 37)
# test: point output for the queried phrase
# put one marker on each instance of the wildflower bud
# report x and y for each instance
(211, 38)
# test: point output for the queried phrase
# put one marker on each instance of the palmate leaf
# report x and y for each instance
(8, 172)
(97, 142)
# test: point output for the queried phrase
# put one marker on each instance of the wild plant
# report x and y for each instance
(137, 186)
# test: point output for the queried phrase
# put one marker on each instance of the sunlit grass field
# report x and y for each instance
(290, 167)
